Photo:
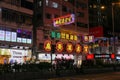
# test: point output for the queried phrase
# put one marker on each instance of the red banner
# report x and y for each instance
(96, 31)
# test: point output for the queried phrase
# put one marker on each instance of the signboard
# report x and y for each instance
(90, 56)
(63, 35)
(29, 41)
(69, 47)
(88, 38)
(59, 47)
(7, 36)
(100, 56)
(17, 55)
(2, 35)
(78, 48)
(24, 40)
(64, 20)
(85, 49)
(47, 45)
(13, 36)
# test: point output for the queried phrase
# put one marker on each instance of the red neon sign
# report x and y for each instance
(64, 20)
(112, 56)
(47, 45)
(59, 47)
(69, 47)
(90, 56)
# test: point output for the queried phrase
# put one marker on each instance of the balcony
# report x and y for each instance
(16, 8)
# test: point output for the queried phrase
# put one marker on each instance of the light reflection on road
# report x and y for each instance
(102, 76)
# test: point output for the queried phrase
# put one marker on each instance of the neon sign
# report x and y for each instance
(88, 38)
(69, 47)
(85, 49)
(63, 35)
(64, 20)
(78, 48)
(47, 45)
(59, 47)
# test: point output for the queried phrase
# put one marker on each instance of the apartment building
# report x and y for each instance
(15, 29)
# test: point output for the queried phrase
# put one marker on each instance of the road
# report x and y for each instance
(100, 76)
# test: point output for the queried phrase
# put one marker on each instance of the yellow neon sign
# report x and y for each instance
(47, 45)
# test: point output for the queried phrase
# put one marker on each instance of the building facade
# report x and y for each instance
(46, 11)
(104, 21)
(15, 29)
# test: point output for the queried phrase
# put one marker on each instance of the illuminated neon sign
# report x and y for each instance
(78, 48)
(88, 38)
(69, 47)
(85, 49)
(63, 35)
(64, 20)
(47, 45)
(59, 47)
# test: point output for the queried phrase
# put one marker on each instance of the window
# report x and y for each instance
(55, 5)
(14, 16)
(64, 8)
(66, 0)
(71, 1)
(26, 4)
(15, 2)
(80, 14)
(47, 2)
(55, 16)
(48, 16)
(82, 25)
(40, 3)
(81, 5)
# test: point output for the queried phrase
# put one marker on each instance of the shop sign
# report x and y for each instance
(90, 56)
(69, 47)
(88, 38)
(64, 20)
(59, 47)
(78, 48)
(18, 55)
(47, 45)
(99, 56)
(85, 49)
(112, 56)
(64, 35)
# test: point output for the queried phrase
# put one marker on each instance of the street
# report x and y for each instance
(100, 76)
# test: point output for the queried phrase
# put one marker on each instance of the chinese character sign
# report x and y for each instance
(59, 47)
(69, 47)
(64, 20)
(85, 49)
(78, 48)
(47, 45)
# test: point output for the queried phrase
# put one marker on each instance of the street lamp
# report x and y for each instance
(113, 26)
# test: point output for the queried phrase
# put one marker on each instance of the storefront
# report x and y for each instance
(14, 55)
(43, 57)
